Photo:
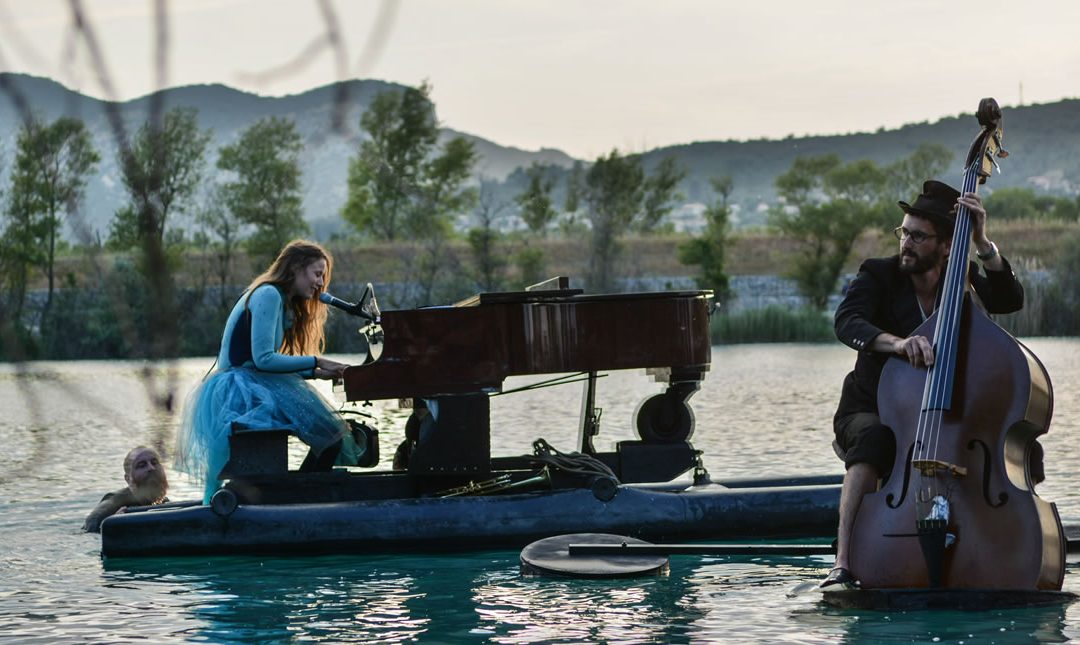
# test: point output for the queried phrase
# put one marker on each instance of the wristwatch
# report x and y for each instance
(989, 255)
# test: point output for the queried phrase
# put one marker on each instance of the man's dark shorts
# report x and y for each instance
(862, 439)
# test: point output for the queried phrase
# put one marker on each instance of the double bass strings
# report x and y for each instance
(937, 392)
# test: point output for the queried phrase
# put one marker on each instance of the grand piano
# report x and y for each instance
(455, 357)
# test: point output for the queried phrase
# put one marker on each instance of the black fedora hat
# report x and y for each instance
(936, 201)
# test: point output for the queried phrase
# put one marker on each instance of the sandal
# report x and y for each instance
(839, 576)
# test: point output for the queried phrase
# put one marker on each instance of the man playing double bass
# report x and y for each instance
(883, 305)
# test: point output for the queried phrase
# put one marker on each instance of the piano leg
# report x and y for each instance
(589, 424)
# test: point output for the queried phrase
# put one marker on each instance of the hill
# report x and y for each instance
(227, 112)
(1041, 138)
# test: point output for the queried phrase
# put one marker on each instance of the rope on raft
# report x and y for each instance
(574, 463)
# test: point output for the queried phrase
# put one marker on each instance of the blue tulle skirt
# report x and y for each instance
(255, 400)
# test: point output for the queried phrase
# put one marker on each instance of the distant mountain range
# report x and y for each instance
(227, 112)
(1042, 138)
(1042, 141)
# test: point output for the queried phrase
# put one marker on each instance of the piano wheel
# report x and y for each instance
(664, 418)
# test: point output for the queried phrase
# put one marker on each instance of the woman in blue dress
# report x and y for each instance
(270, 346)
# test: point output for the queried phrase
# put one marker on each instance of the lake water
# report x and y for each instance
(764, 409)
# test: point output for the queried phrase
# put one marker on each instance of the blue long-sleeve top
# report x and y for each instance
(259, 347)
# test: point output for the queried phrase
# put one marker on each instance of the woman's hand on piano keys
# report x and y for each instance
(328, 369)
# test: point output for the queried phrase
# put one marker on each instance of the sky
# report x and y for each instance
(585, 76)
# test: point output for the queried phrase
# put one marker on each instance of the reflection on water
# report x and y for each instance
(247, 599)
(515, 609)
(482, 596)
(762, 410)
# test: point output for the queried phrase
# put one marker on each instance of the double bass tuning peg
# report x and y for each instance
(996, 150)
(1001, 151)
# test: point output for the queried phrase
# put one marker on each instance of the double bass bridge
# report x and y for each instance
(933, 467)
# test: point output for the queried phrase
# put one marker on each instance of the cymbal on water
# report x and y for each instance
(551, 557)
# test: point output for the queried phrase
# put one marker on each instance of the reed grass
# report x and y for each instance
(1038, 301)
(1051, 297)
(772, 324)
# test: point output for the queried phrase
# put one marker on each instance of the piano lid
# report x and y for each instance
(475, 345)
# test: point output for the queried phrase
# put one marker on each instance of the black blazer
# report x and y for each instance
(882, 299)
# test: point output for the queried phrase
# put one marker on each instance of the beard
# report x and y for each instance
(912, 263)
(153, 489)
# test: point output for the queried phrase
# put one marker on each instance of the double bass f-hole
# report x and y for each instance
(987, 471)
(889, 499)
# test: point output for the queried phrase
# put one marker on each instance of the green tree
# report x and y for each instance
(905, 175)
(620, 197)
(489, 263)
(48, 179)
(537, 210)
(661, 192)
(161, 174)
(13, 277)
(1012, 203)
(570, 224)
(530, 263)
(826, 206)
(709, 250)
(1025, 203)
(265, 192)
(384, 175)
(441, 199)
(402, 185)
(399, 184)
(442, 196)
(575, 185)
(224, 232)
(1066, 209)
(20, 250)
(1063, 308)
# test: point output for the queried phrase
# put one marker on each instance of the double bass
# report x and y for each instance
(959, 510)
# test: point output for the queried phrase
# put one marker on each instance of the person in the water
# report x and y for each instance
(147, 484)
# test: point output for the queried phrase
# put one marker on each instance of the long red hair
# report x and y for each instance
(307, 334)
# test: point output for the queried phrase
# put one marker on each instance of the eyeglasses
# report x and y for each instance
(917, 237)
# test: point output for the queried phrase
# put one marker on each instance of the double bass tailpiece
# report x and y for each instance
(931, 467)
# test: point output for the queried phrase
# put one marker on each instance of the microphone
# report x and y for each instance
(354, 309)
(365, 308)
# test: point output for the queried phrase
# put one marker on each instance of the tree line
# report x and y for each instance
(826, 205)
(403, 185)
(406, 188)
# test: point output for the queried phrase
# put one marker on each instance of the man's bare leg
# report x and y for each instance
(859, 480)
